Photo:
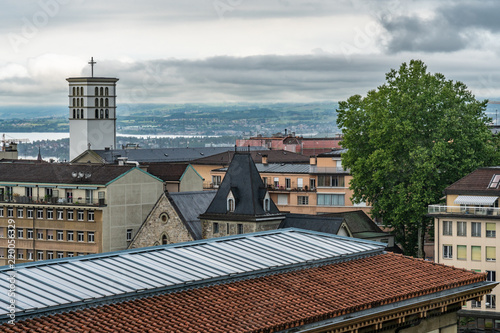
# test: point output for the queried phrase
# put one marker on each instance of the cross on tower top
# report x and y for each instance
(91, 63)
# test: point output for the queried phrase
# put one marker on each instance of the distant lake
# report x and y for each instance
(37, 136)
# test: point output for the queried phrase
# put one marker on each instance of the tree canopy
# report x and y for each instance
(407, 141)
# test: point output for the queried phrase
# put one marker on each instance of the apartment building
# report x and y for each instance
(63, 210)
(465, 228)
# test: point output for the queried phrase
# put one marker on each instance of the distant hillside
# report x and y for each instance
(31, 112)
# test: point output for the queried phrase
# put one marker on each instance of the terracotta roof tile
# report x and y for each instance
(271, 302)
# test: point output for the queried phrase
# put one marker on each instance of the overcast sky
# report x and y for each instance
(166, 51)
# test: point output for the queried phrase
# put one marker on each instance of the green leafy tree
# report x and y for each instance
(409, 139)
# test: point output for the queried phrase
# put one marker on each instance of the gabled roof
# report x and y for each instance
(169, 172)
(242, 180)
(189, 205)
(320, 223)
(476, 183)
(262, 282)
(60, 173)
(358, 222)
(273, 156)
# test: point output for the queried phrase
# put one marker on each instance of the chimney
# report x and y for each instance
(264, 159)
(312, 160)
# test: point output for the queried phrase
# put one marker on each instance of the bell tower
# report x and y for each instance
(92, 113)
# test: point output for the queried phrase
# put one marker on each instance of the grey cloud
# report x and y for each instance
(455, 26)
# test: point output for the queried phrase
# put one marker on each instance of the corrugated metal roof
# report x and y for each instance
(280, 168)
(72, 282)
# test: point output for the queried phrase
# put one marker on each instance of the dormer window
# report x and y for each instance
(267, 203)
(494, 181)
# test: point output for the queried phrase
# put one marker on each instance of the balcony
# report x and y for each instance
(328, 170)
(273, 188)
(52, 201)
(464, 210)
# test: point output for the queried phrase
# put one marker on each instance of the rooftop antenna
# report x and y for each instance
(91, 63)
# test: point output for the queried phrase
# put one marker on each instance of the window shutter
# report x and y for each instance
(476, 252)
(461, 252)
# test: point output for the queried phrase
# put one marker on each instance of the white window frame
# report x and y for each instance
(447, 251)
(81, 236)
(90, 237)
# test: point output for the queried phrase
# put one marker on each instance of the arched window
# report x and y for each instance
(164, 240)
(102, 102)
(81, 103)
(74, 113)
(96, 113)
(81, 91)
(96, 91)
(230, 205)
(81, 114)
(102, 113)
(106, 91)
(267, 205)
(73, 91)
(97, 102)
(102, 91)
(107, 113)
(74, 101)
(77, 114)
(106, 102)
(77, 102)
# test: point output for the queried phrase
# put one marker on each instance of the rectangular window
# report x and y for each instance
(312, 183)
(494, 181)
(302, 200)
(39, 213)
(491, 253)
(491, 301)
(491, 230)
(282, 199)
(20, 254)
(288, 183)
(462, 252)
(29, 213)
(30, 254)
(20, 233)
(70, 255)
(276, 182)
(29, 192)
(216, 227)
(475, 229)
(80, 215)
(475, 304)
(10, 212)
(39, 234)
(216, 180)
(60, 215)
(80, 254)
(48, 193)
(60, 235)
(476, 253)
(50, 214)
(69, 236)
(90, 215)
(90, 237)
(129, 235)
(50, 234)
(81, 236)
(39, 255)
(60, 255)
(300, 183)
(50, 255)
(447, 228)
(491, 276)
(240, 228)
(447, 251)
(20, 213)
(461, 228)
(69, 196)
(330, 181)
(29, 233)
(70, 213)
(331, 200)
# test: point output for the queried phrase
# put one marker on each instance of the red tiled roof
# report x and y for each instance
(268, 303)
(475, 182)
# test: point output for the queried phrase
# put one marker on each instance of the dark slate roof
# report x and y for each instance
(319, 223)
(160, 154)
(476, 183)
(273, 156)
(60, 173)
(243, 180)
(189, 205)
(358, 222)
(333, 153)
(167, 171)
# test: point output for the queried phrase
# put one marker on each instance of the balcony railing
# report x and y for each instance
(290, 189)
(464, 210)
(52, 200)
(327, 170)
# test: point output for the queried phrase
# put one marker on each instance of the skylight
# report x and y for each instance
(494, 181)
